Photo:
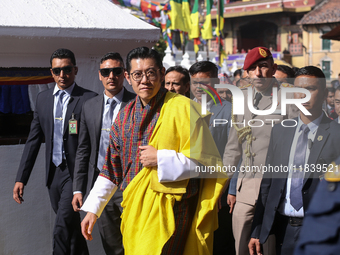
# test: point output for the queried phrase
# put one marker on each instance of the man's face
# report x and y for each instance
(236, 78)
(312, 84)
(196, 84)
(147, 87)
(65, 76)
(112, 83)
(330, 99)
(261, 74)
(174, 83)
(224, 94)
(337, 102)
(280, 76)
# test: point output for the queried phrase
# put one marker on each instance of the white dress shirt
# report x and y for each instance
(66, 99)
(118, 98)
(285, 207)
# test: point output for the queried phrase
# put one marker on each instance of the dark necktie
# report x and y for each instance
(105, 134)
(298, 173)
(57, 156)
(258, 97)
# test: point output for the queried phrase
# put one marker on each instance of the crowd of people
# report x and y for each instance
(130, 160)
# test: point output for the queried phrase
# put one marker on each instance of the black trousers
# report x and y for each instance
(224, 242)
(109, 225)
(286, 235)
(67, 237)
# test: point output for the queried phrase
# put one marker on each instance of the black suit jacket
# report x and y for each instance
(324, 150)
(42, 126)
(86, 172)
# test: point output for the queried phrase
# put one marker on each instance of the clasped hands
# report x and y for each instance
(148, 156)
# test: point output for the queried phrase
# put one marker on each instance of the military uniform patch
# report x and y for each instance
(287, 85)
(245, 86)
(263, 53)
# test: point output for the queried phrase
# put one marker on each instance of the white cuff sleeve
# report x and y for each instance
(173, 166)
(99, 196)
(77, 192)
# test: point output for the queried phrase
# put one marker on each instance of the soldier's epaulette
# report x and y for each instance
(333, 173)
(245, 86)
(287, 85)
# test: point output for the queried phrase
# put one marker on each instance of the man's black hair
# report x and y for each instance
(204, 67)
(312, 71)
(180, 70)
(63, 53)
(238, 72)
(287, 70)
(331, 89)
(337, 89)
(143, 53)
(113, 56)
(295, 69)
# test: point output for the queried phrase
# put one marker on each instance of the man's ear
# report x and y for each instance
(162, 71)
(76, 70)
(274, 68)
(187, 87)
(100, 77)
(127, 77)
(325, 92)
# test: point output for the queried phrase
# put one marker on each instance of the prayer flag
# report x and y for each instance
(220, 19)
(177, 20)
(206, 30)
(195, 27)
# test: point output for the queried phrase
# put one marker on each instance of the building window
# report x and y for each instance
(295, 46)
(326, 44)
(18, 90)
(326, 68)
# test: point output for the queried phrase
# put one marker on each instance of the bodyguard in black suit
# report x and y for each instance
(88, 161)
(281, 203)
(56, 117)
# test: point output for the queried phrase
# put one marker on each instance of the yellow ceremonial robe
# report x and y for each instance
(148, 219)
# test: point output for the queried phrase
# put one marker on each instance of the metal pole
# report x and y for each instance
(208, 50)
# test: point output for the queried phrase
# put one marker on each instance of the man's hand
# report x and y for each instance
(254, 247)
(18, 192)
(226, 186)
(231, 200)
(148, 156)
(87, 225)
(77, 201)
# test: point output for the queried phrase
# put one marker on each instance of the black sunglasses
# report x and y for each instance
(66, 70)
(105, 72)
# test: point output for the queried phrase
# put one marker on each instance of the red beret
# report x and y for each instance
(255, 55)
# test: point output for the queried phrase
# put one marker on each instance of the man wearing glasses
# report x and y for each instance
(97, 117)
(56, 120)
(155, 142)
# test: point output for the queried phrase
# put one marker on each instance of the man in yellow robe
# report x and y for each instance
(158, 144)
